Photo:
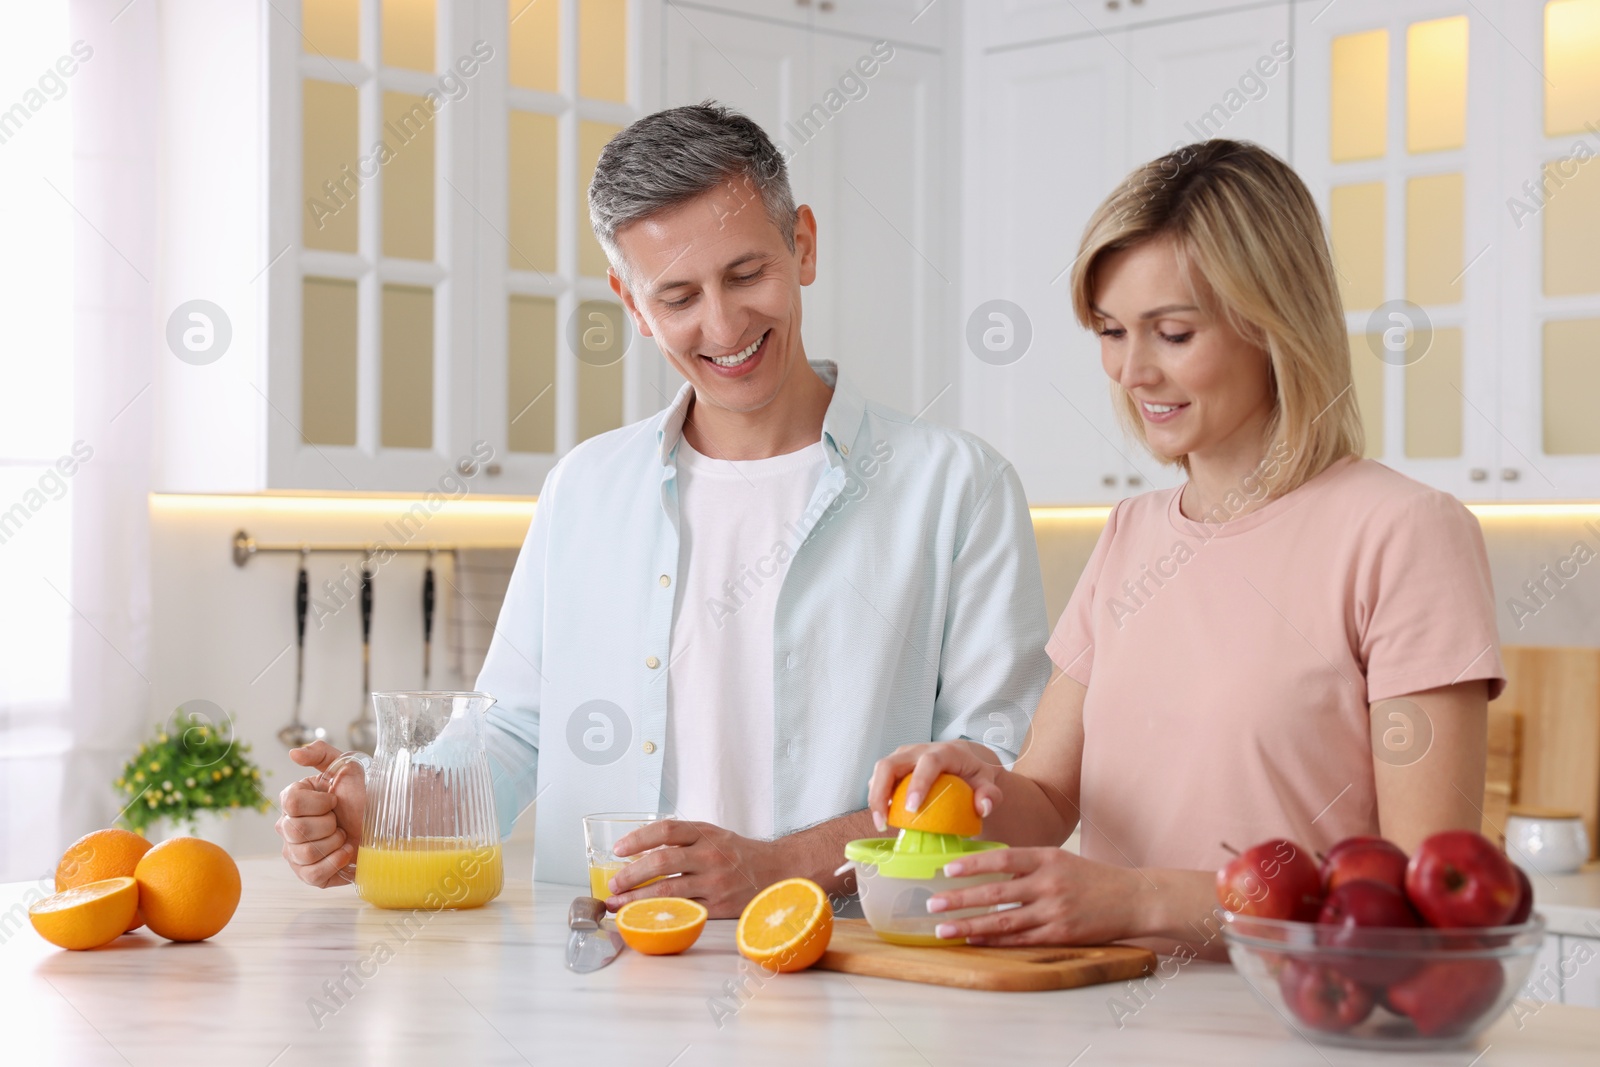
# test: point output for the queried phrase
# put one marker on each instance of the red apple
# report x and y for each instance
(1323, 998)
(1459, 878)
(1445, 999)
(1350, 913)
(1370, 858)
(1525, 902)
(1367, 904)
(1276, 879)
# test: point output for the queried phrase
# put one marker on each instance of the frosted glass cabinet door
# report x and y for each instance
(1407, 177)
(1549, 232)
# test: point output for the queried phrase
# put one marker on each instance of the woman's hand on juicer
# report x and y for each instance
(976, 764)
(321, 830)
(1064, 899)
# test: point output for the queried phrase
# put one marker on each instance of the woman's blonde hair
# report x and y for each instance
(1245, 222)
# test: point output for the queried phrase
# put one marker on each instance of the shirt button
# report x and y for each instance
(652, 662)
(844, 450)
(789, 661)
(649, 747)
(792, 749)
(664, 580)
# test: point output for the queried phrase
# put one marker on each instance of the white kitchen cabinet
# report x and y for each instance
(1580, 971)
(1052, 144)
(1497, 407)
(915, 22)
(1226, 75)
(861, 122)
(1544, 248)
(1029, 22)
(1544, 979)
(363, 245)
(1058, 124)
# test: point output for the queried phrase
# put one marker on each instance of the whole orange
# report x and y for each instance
(97, 856)
(188, 888)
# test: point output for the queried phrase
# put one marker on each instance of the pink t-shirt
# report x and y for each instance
(1230, 665)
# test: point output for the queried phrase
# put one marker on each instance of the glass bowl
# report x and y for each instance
(1383, 988)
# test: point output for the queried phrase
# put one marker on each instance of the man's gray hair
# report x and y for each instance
(668, 158)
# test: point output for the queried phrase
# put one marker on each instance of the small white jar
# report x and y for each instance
(1548, 840)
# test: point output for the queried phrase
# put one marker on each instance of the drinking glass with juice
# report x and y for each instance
(600, 836)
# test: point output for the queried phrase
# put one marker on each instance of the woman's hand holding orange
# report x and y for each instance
(975, 764)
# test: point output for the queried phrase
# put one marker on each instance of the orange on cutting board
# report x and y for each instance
(661, 926)
(188, 888)
(787, 926)
(86, 916)
(97, 856)
(947, 809)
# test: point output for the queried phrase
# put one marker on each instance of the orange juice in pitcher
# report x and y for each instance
(431, 873)
(429, 834)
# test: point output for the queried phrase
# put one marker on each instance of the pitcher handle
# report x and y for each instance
(325, 781)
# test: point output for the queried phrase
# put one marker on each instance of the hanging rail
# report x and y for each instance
(245, 546)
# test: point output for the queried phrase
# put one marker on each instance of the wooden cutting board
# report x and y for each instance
(855, 949)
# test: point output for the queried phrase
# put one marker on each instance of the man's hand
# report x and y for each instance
(321, 829)
(717, 867)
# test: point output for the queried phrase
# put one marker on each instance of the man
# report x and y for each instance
(725, 613)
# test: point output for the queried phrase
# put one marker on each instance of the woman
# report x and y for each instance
(1296, 642)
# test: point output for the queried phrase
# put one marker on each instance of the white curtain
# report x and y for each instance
(77, 340)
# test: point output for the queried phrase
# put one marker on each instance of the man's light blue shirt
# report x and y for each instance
(911, 611)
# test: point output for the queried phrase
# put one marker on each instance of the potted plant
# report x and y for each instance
(187, 778)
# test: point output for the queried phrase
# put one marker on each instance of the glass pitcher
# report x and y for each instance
(429, 835)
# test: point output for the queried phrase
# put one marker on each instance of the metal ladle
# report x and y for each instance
(297, 734)
(364, 730)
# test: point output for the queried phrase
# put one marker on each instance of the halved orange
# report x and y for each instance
(97, 856)
(947, 809)
(86, 916)
(787, 926)
(661, 926)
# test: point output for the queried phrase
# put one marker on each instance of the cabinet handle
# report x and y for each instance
(1112, 5)
(1108, 480)
(1478, 474)
(1134, 481)
(826, 5)
(492, 469)
(466, 468)
(1509, 474)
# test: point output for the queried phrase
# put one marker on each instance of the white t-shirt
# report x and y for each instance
(736, 543)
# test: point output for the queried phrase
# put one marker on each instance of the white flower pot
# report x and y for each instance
(208, 826)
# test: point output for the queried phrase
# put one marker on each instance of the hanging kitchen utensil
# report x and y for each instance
(297, 734)
(364, 731)
(590, 946)
(427, 621)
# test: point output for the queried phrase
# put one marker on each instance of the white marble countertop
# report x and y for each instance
(1570, 903)
(488, 987)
